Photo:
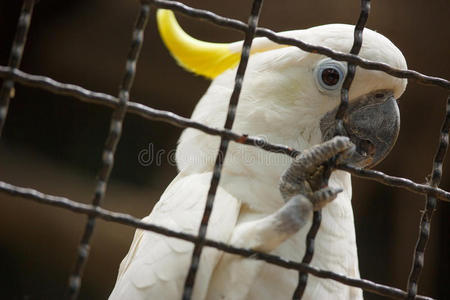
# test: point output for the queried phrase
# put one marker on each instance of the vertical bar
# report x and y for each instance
(109, 149)
(430, 206)
(15, 58)
(245, 54)
(309, 253)
(351, 69)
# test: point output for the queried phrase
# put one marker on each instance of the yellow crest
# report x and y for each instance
(199, 57)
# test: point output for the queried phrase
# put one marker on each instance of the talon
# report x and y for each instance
(312, 158)
(346, 154)
(341, 141)
(324, 196)
(340, 144)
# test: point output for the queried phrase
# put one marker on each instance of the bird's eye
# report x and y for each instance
(329, 75)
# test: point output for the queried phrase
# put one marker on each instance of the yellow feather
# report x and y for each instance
(199, 57)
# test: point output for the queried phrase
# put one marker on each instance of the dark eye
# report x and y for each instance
(330, 76)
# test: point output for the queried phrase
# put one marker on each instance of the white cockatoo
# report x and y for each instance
(289, 97)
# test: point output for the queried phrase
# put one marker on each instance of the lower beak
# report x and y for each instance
(372, 122)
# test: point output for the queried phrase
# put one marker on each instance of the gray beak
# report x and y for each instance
(372, 122)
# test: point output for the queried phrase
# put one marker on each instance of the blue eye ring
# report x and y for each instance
(329, 75)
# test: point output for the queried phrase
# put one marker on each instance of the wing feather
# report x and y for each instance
(156, 266)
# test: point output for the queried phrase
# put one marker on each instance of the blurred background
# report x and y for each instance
(53, 143)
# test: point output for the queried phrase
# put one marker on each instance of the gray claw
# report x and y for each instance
(324, 196)
(345, 155)
(298, 209)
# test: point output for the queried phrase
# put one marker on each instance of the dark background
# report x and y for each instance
(53, 143)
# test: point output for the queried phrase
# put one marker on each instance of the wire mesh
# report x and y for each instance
(122, 105)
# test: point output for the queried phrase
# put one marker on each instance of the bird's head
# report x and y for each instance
(288, 91)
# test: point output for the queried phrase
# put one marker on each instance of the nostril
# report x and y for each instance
(366, 147)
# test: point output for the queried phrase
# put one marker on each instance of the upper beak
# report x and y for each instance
(372, 122)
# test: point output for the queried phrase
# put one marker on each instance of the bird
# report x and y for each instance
(265, 200)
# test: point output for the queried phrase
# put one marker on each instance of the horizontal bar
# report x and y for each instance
(399, 182)
(149, 113)
(144, 111)
(129, 220)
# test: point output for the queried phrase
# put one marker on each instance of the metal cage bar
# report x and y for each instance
(223, 148)
(351, 69)
(115, 131)
(122, 105)
(15, 57)
(308, 256)
(430, 207)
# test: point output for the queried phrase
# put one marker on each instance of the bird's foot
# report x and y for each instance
(304, 185)
(310, 170)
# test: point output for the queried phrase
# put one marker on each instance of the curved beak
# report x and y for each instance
(372, 122)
